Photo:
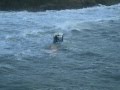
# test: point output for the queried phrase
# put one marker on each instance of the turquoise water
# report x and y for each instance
(88, 59)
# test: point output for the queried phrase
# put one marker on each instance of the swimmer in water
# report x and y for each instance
(57, 38)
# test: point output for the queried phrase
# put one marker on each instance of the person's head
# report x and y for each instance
(58, 37)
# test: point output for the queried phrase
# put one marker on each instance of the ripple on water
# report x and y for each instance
(6, 69)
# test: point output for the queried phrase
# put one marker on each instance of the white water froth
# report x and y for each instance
(38, 27)
(63, 19)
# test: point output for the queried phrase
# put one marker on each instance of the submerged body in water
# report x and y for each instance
(88, 59)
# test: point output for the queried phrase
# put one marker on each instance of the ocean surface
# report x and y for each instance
(88, 59)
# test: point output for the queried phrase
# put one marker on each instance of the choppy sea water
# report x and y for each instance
(88, 59)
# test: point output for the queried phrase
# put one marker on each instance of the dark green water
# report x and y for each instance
(88, 59)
